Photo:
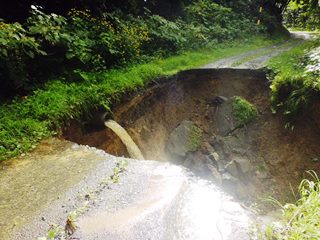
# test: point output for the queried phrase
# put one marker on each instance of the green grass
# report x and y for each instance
(243, 111)
(291, 88)
(195, 138)
(301, 219)
(24, 122)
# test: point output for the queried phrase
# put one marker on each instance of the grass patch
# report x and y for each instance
(194, 138)
(24, 122)
(243, 111)
(300, 219)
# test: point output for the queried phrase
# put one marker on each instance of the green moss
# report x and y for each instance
(194, 138)
(243, 111)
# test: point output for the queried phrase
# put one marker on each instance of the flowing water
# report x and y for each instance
(171, 204)
(132, 148)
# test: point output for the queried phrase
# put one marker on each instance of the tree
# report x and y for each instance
(303, 14)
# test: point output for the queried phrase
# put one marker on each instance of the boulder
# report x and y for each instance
(232, 168)
(216, 160)
(238, 167)
(215, 173)
(218, 100)
(228, 179)
(223, 118)
(243, 164)
(183, 139)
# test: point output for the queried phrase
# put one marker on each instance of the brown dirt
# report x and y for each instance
(149, 118)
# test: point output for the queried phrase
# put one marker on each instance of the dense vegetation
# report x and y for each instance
(303, 14)
(295, 78)
(48, 45)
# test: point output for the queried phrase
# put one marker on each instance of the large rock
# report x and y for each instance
(215, 173)
(183, 139)
(232, 168)
(238, 167)
(244, 164)
(223, 118)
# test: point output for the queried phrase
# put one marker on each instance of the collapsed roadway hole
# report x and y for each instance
(259, 158)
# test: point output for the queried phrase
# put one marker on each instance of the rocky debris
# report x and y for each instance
(223, 118)
(244, 164)
(220, 146)
(235, 185)
(184, 139)
(232, 168)
(242, 190)
(188, 161)
(215, 156)
(239, 167)
(227, 178)
(207, 148)
(223, 158)
(215, 174)
(215, 159)
(218, 100)
(262, 174)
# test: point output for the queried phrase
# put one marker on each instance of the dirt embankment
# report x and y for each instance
(276, 156)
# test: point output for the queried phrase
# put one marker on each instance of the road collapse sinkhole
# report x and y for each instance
(190, 120)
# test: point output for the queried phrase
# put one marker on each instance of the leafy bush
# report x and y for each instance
(303, 15)
(243, 111)
(16, 49)
(220, 23)
(51, 45)
(126, 44)
(47, 27)
(165, 35)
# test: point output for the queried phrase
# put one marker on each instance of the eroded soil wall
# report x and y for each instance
(277, 155)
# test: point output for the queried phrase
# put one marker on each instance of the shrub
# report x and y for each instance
(295, 79)
(126, 44)
(165, 36)
(220, 23)
(47, 27)
(16, 49)
(243, 111)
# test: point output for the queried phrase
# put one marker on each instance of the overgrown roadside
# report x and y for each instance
(295, 78)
